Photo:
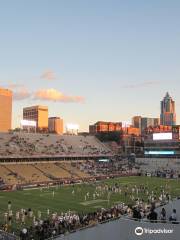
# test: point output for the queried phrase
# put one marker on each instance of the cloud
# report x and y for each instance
(140, 85)
(48, 75)
(21, 94)
(15, 86)
(55, 95)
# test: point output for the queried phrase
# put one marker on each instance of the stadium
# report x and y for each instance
(75, 187)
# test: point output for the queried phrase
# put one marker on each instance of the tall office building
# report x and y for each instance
(39, 114)
(55, 125)
(144, 122)
(5, 109)
(148, 122)
(168, 115)
(136, 121)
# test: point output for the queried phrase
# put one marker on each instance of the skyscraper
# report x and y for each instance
(39, 114)
(168, 115)
(148, 122)
(55, 125)
(5, 109)
(136, 121)
(144, 122)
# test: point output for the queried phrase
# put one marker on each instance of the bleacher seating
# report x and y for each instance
(74, 171)
(29, 147)
(8, 177)
(152, 165)
(53, 170)
(30, 144)
(27, 173)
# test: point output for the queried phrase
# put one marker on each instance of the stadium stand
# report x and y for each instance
(73, 170)
(101, 168)
(159, 165)
(28, 158)
(28, 144)
(8, 177)
(24, 173)
(28, 173)
(53, 171)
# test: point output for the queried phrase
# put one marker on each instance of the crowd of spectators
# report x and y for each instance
(152, 215)
(169, 168)
(111, 167)
(69, 222)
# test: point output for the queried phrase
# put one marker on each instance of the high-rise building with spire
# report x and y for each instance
(168, 114)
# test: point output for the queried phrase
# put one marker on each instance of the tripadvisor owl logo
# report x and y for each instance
(139, 231)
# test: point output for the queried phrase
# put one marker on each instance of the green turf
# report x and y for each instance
(64, 200)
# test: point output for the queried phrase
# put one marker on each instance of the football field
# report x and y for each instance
(72, 197)
(85, 197)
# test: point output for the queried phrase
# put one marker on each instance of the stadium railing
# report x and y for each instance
(150, 221)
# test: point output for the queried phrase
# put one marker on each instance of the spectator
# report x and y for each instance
(163, 214)
(173, 217)
(152, 215)
(136, 213)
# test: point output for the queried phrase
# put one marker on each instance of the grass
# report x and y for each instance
(64, 200)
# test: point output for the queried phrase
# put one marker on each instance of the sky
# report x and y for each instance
(90, 60)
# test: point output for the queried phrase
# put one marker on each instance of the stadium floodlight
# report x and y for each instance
(28, 123)
(126, 124)
(162, 136)
(72, 128)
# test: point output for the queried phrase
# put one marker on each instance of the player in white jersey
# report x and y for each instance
(17, 216)
(39, 214)
(48, 212)
(9, 205)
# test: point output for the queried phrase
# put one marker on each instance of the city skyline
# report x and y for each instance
(167, 116)
(90, 61)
